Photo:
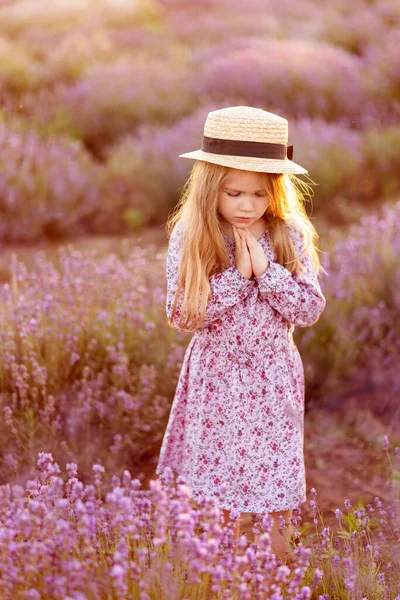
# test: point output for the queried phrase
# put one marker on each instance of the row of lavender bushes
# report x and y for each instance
(88, 366)
(299, 78)
(224, 39)
(65, 539)
(355, 346)
(94, 113)
(50, 186)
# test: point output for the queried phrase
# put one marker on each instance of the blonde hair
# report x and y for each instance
(205, 251)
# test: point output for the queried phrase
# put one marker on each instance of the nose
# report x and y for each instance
(246, 206)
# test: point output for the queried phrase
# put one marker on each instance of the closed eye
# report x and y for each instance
(238, 194)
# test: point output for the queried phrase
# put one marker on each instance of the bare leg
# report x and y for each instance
(280, 542)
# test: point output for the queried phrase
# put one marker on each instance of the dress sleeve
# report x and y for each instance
(227, 288)
(298, 298)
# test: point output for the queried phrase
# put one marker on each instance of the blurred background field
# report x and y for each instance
(97, 100)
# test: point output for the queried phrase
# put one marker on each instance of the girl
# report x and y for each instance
(242, 272)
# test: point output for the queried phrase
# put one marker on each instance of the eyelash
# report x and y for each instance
(236, 195)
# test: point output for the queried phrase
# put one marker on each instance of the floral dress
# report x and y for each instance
(238, 413)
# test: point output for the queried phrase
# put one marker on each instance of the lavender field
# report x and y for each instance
(97, 100)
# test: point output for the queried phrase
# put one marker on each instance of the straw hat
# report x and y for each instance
(243, 137)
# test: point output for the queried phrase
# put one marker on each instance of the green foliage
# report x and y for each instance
(133, 218)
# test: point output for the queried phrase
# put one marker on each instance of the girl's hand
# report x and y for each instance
(242, 254)
(259, 261)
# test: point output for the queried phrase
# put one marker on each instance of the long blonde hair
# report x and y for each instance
(205, 250)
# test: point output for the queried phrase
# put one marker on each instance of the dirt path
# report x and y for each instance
(100, 245)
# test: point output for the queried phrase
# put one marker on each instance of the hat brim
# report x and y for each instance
(247, 163)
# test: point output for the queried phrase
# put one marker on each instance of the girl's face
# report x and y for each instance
(242, 195)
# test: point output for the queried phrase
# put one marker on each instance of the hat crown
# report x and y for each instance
(246, 123)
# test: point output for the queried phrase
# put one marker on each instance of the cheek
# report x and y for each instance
(225, 206)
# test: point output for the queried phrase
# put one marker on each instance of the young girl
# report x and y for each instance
(242, 272)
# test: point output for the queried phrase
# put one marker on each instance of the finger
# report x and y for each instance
(248, 236)
(239, 233)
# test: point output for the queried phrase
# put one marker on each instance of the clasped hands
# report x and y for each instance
(250, 257)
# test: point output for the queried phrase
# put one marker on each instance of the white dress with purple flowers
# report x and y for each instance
(238, 413)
